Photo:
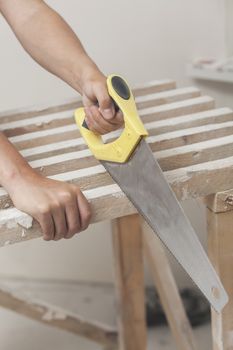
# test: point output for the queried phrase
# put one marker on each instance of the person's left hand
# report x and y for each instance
(101, 115)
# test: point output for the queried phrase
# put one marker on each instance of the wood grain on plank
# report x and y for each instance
(159, 142)
(46, 137)
(152, 100)
(148, 114)
(169, 159)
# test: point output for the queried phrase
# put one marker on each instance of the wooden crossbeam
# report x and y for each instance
(108, 202)
(56, 317)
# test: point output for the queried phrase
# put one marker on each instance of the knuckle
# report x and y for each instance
(66, 196)
(43, 209)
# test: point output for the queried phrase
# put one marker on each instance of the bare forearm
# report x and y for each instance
(52, 43)
(12, 164)
(48, 39)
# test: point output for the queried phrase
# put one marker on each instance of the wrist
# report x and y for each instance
(86, 74)
(14, 175)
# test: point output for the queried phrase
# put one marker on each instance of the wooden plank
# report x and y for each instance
(165, 97)
(168, 291)
(148, 114)
(56, 106)
(159, 142)
(56, 317)
(195, 153)
(220, 247)
(108, 202)
(43, 120)
(153, 87)
(46, 137)
(96, 175)
(176, 109)
(168, 159)
(128, 264)
(190, 136)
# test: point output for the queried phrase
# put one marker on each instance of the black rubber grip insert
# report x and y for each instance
(85, 125)
(121, 87)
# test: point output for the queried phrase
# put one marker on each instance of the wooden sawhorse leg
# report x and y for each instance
(220, 246)
(128, 251)
(127, 246)
(168, 291)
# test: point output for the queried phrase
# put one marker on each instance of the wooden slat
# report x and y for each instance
(70, 132)
(148, 114)
(66, 116)
(161, 142)
(108, 202)
(165, 97)
(56, 317)
(50, 108)
(195, 153)
(153, 87)
(168, 159)
(87, 172)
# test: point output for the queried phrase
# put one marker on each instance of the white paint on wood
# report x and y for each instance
(148, 87)
(196, 147)
(155, 84)
(176, 105)
(13, 217)
(52, 147)
(43, 133)
(60, 158)
(151, 139)
(190, 131)
(71, 175)
(69, 114)
(205, 115)
(189, 118)
(39, 121)
(167, 94)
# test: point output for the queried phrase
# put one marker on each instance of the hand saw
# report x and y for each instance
(130, 162)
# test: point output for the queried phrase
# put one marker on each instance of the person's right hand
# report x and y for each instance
(60, 208)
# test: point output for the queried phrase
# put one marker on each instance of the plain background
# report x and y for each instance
(142, 40)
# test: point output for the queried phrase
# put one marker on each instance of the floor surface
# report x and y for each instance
(95, 301)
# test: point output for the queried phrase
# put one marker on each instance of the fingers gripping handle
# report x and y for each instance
(120, 149)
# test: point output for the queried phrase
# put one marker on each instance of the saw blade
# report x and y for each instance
(143, 182)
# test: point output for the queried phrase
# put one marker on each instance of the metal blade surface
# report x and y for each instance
(142, 180)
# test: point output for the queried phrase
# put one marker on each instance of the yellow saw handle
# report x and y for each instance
(120, 149)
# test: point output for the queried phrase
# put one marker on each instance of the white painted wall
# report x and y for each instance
(142, 40)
